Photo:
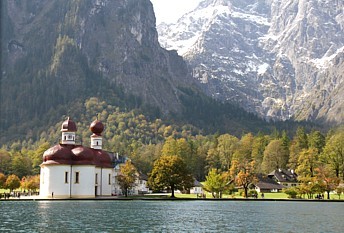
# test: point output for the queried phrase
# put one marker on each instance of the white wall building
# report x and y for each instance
(74, 171)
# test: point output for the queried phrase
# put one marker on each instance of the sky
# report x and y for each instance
(169, 11)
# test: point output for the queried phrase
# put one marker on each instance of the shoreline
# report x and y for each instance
(170, 199)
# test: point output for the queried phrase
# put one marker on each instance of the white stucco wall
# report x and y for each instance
(105, 186)
(85, 188)
(53, 181)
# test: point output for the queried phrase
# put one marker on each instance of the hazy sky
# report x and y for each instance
(170, 10)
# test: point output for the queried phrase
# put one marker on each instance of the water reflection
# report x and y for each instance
(170, 216)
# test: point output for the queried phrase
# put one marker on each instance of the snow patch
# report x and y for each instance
(263, 68)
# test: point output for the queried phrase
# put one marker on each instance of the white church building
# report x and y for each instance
(75, 171)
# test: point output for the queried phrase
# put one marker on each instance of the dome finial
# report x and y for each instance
(97, 127)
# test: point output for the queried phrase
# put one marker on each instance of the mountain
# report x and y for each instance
(56, 55)
(55, 52)
(278, 59)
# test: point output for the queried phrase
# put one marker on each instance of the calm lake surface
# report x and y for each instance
(170, 216)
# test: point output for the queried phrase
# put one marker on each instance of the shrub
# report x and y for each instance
(291, 192)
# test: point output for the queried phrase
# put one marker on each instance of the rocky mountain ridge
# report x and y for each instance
(56, 56)
(279, 59)
(55, 52)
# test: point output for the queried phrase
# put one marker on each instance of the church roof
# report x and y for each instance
(71, 154)
(76, 155)
(68, 126)
(97, 127)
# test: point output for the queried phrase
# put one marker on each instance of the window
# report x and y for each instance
(96, 178)
(109, 178)
(66, 177)
(77, 177)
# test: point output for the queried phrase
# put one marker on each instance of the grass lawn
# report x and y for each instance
(266, 196)
(4, 190)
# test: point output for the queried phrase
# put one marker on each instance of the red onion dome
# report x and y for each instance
(97, 127)
(83, 156)
(68, 126)
(103, 159)
(59, 154)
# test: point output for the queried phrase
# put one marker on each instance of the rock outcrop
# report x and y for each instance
(279, 59)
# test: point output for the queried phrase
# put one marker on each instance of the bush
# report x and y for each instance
(291, 192)
(252, 193)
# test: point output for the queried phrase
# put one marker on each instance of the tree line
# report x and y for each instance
(239, 158)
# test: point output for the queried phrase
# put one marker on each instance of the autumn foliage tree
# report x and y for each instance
(12, 182)
(30, 183)
(170, 172)
(216, 183)
(2, 180)
(127, 177)
(327, 179)
(243, 175)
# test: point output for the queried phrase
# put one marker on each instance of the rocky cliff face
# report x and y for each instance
(55, 51)
(280, 59)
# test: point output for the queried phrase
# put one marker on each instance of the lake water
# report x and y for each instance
(170, 216)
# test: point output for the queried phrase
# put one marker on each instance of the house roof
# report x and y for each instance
(143, 176)
(283, 175)
(197, 183)
(265, 182)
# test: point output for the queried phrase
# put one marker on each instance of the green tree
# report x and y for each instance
(308, 161)
(339, 190)
(36, 157)
(21, 165)
(301, 138)
(226, 147)
(275, 156)
(5, 161)
(143, 157)
(244, 151)
(299, 143)
(127, 177)
(12, 182)
(170, 147)
(334, 153)
(259, 144)
(216, 182)
(170, 172)
(316, 140)
(202, 145)
(213, 158)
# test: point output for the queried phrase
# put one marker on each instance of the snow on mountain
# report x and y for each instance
(274, 58)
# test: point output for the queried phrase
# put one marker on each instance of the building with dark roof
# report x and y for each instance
(76, 171)
(288, 178)
(267, 184)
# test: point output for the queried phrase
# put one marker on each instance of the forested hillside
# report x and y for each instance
(311, 154)
(57, 55)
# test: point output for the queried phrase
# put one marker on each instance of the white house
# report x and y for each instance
(140, 186)
(197, 188)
